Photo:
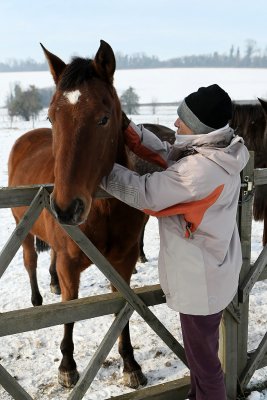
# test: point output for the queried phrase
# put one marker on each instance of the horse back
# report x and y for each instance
(31, 160)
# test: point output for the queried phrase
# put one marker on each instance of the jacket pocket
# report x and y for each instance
(186, 277)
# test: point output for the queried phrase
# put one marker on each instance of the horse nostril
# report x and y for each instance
(78, 207)
(71, 215)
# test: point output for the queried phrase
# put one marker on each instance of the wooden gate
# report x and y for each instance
(124, 304)
(238, 368)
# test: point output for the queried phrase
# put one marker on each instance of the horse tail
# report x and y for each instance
(41, 245)
(260, 202)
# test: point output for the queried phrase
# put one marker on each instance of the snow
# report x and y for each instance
(161, 85)
(257, 395)
(33, 357)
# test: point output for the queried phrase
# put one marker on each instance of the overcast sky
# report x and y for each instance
(165, 28)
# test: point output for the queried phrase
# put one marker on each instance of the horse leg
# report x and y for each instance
(142, 255)
(54, 283)
(132, 374)
(69, 276)
(30, 262)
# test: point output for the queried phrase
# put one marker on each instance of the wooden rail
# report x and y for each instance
(34, 318)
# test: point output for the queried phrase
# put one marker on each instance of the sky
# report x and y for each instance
(164, 28)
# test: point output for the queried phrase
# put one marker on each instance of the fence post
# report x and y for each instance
(229, 362)
(235, 321)
(245, 227)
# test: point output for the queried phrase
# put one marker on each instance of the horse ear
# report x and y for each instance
(263, 104)
(56, 65)
(105, 62)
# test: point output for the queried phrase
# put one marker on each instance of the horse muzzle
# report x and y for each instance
(74, 214)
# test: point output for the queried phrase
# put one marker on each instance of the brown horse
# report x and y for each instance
(85, 141)
(250, 122)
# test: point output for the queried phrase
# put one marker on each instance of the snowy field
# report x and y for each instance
(161, 85)
(33, 357)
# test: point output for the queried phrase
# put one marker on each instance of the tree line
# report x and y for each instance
(252, 57)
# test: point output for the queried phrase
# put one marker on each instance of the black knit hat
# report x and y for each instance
(206, 110)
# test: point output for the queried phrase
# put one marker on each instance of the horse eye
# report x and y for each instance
(49, 119)
(103, 121)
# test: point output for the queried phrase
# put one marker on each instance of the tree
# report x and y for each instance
(12, 102)
(46, 95)
(250, 51)
(33, 104)
(26, 104)
(130, 101)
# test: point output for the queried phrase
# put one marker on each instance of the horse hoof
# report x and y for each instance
(134, 379)
(37, 300)
(68, 379)
(55, 289)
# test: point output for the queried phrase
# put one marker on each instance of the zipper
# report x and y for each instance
(188, 232)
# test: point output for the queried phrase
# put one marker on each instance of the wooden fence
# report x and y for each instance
(239, 366)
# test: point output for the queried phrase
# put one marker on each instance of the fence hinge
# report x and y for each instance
(247, 190)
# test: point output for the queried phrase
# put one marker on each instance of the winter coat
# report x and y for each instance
(195, 200)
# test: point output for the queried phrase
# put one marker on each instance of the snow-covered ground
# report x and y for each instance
(33, 357)
(161, 85)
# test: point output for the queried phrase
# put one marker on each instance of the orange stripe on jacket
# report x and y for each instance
(193, 211)
(133, 141)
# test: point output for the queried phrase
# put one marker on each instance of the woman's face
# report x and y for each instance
(182, 129)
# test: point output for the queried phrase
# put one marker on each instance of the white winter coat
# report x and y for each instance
(195, 200)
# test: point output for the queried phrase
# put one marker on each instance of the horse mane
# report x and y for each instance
(248, 110)
(78, 71)
(249, 121)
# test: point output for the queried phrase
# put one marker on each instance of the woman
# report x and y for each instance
(195, 200)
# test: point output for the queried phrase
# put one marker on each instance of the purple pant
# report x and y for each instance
(201, 343)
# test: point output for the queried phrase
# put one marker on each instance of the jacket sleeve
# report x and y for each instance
(147, 145)
(150, 192)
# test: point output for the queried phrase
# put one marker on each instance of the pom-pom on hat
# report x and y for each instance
(206, 110)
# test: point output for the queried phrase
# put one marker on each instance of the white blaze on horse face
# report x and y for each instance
(73, 96)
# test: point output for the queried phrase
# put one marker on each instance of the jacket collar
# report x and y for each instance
(186, 145)
(219, 138)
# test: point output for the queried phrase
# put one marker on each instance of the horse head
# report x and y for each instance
(85, 114)
(264, 109)
(250, 121)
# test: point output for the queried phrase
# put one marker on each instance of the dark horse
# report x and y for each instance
(250, 122)
(82, 146)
